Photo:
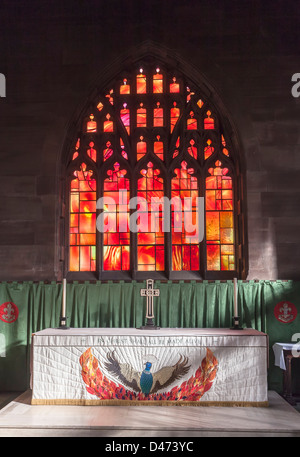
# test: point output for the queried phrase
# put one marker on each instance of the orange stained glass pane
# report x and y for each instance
(141, 148)
(212, 226)
(87, 223)
(226, 219)
(141, 116)
(159, 148)
(125, 117)
(108, 125)
(87, 206)
(141, 87)
(107, 152)
(125, 87)
(158, 116)
(195, 265)
(146, 255)
(213, 257)
(208, 150)
(100, 106)
(174, 87)
(158, 82)
(191, 122)
(146, 238)
(91, 125)
(176, 258)
(87, 239)
(174, 115)
(92, 153)
(209, 122)
(86, 256)
(227, 235)
(112, 258)
(192, 150)
(74, 258)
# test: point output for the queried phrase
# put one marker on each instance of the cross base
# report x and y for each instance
(63, 324)
(149, 325)
(236, 324)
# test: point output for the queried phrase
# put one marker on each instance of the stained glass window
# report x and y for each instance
(152, 135)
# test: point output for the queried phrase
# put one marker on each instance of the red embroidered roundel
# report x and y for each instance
(285, 312)
(9, 312)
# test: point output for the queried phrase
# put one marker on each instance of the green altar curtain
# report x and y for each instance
(119, 304)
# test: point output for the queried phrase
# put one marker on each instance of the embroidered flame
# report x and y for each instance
(191, 390)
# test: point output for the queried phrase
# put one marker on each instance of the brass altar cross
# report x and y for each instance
(150, 292)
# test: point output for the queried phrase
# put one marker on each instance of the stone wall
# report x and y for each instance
(52, 53)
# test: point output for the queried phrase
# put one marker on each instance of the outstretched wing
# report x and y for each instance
(124, 372)
(167, 375)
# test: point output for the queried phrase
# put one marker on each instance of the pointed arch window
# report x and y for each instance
(157, 136)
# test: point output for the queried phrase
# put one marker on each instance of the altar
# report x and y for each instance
(127, 366)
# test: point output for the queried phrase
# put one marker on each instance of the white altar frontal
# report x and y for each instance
(127, 366)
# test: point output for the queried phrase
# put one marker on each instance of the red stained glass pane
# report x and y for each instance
(141, 148)
(125, 88)
(107, 151)
(112, 258)
(91, 125)
(92, 153)
(125, 118)
(159, 149)
(174, 87)
(108, 125)
(192, 150)
(192, 122)
(158, 117)
(174, 115)
(209, 122)
(208, 150)
(141, 117)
